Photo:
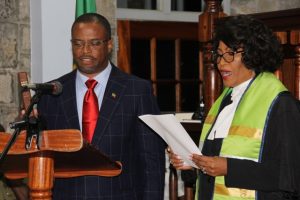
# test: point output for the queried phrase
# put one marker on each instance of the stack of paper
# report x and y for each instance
(172, 132)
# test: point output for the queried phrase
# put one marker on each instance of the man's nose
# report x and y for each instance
(87, 48)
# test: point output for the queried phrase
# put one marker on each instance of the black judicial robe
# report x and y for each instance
(277, 176)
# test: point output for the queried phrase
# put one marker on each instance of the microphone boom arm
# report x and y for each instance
(32, 125)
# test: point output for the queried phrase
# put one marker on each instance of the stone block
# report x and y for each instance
(267, 6)
(8, 45)
(25, 39)
(6, 88)
(8, 115)
(24, 11)
(242, 7)
(25, 62)
(289, 4)
(8, 9)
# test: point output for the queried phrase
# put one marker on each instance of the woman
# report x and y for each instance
(251, 147)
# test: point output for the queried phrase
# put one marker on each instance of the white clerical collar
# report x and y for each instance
(239, 90)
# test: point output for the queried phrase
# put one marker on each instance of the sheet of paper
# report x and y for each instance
(173, 133)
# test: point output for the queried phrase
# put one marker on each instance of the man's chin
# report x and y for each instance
(87, 70)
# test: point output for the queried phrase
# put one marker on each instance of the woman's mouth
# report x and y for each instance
(225, 74)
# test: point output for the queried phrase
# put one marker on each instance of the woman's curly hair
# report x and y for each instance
(262, 49)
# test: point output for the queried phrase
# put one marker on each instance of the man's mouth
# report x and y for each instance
(86, 58)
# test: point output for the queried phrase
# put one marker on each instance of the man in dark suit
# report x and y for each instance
(118, 133)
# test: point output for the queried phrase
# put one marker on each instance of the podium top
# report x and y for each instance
(72, 156)
(68, 140)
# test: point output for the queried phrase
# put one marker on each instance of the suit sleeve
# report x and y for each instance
(279, 169)
(151, 150)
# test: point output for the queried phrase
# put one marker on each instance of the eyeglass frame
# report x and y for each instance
(217, 57)
(93, 44)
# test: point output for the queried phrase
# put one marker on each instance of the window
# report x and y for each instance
(189, 5)
(163, 10)
(176, 5)
(137, 4)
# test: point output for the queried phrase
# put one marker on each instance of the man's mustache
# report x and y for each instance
(86, 57)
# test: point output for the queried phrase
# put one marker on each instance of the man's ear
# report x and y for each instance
(110, 45)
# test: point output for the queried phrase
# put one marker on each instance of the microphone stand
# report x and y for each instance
(30, 123)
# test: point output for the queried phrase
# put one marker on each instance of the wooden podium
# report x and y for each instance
(61, 154)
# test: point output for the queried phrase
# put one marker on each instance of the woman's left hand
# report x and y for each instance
(213, 166)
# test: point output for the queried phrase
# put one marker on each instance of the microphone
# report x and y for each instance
(54, 88)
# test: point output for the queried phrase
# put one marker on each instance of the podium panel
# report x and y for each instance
(61, 154)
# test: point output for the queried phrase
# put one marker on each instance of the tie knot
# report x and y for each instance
(91, 83)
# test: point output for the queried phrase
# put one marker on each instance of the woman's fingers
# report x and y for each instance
(213, 166)
(176, 160)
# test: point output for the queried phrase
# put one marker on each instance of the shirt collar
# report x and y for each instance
(239, 90)
(101, 78)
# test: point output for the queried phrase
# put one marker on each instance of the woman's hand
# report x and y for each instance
(213, 166)
(176, 161)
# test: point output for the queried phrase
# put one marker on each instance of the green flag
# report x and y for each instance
(85, 6)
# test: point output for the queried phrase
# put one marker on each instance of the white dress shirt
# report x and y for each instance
(99, 90)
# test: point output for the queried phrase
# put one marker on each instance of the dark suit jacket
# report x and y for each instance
(119, 134)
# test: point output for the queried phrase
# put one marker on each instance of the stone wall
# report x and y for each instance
(14, 54)
(257, 6)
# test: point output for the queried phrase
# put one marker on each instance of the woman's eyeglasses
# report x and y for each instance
(227, 56)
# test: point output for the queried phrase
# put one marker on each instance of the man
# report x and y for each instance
(118, 132)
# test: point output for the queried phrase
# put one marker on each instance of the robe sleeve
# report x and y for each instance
(279, 169)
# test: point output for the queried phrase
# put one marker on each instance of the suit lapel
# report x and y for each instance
(68, 101)
(113, 93)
